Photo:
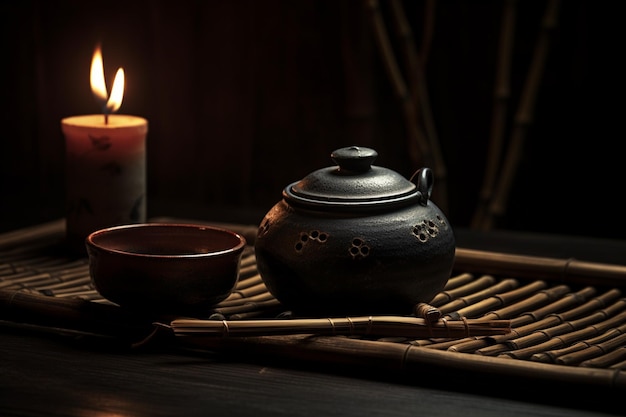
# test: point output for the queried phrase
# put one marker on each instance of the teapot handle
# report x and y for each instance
(424, 180)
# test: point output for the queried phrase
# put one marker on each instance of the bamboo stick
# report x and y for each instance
(73, 314)
(381, 326)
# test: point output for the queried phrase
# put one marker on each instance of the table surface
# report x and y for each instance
(48, 373)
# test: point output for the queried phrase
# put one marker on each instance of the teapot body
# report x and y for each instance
(324, 263)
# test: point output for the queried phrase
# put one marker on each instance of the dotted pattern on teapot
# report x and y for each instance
(427, 229)
(306, 237)
(358, 248)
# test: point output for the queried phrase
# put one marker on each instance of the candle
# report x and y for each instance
(105, 163)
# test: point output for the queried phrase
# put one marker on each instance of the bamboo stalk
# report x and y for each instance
(381, 326)
(525, 347)
(248, 260)
(264, 296)
(418, 146)
(245, 272)
(549, 321)
(429, 28)
(467, 300)
(270, 308)
(506, 312)
(458, 281)
(521, 266)
(68, 291)
(587, 349)
(614, 338)
(427, 312)
(248, 282)
(41, 234)
(560, 304)
(25, 280)
(73, 280)
(482, 306)
(255, 289)
(447, 296)
(86, 293)
(408, 359)
(418, 88)
(528, 318)
(613, 360)
(19, 266)
(411, 58)
(247, 307)
(500, 109)
(523, 117)
(538, 299)
(566, 325)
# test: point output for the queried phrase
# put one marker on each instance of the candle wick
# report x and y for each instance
(106, 118)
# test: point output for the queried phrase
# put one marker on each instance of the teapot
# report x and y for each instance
(355, 239)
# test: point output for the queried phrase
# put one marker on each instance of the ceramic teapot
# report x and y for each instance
(355, 239)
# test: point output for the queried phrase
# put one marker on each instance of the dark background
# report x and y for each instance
(244, 97)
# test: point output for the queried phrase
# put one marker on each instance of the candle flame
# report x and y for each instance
(117, 92)
(98, 85)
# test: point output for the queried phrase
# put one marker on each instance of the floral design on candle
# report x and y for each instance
(105, 165)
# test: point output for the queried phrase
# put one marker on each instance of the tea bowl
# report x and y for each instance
(165, 269)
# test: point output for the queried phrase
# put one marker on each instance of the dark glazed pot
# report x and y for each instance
(355, 239)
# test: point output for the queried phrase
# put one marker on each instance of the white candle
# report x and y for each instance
(105, 173)
(105, 163)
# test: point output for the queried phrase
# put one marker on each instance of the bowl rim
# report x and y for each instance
(90, 242)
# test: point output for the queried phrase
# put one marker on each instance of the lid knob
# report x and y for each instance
(354, 158)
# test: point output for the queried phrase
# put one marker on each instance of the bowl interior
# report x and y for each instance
(164, 239)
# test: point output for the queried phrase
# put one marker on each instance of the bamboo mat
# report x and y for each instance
(568, 318)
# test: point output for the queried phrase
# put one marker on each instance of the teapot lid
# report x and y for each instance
(355, 184)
